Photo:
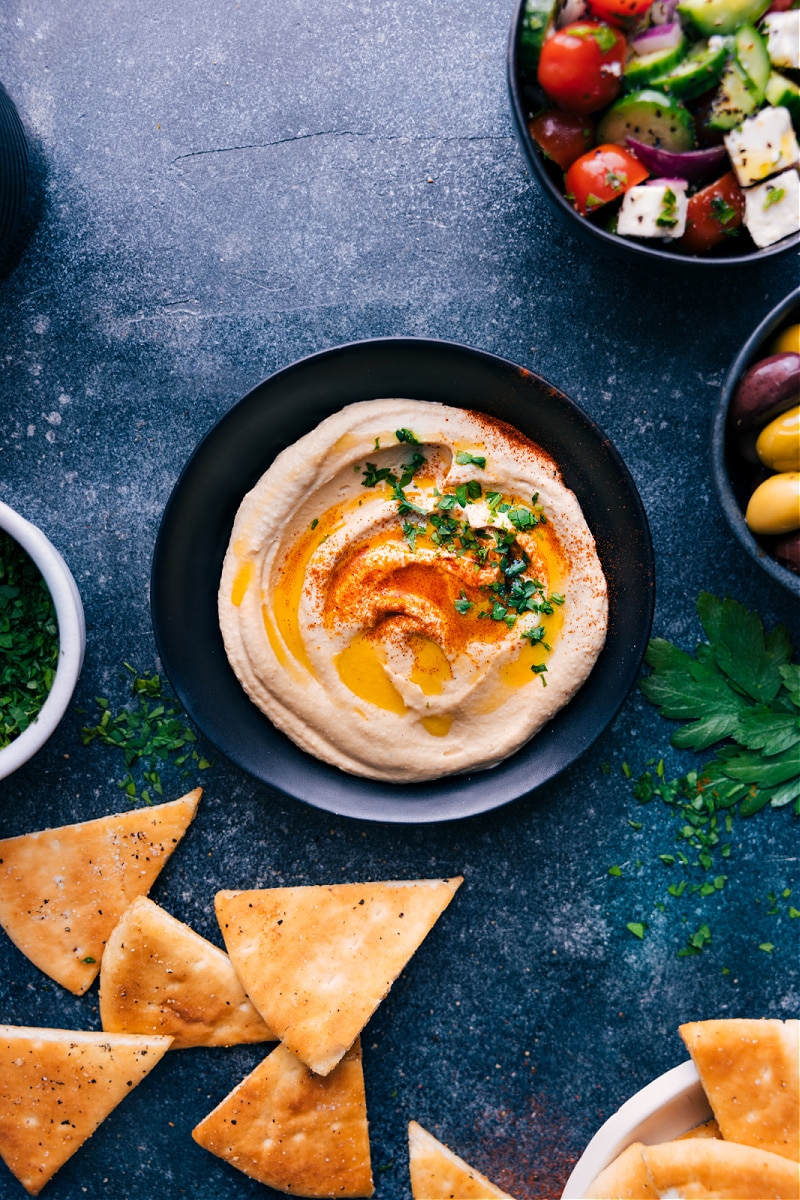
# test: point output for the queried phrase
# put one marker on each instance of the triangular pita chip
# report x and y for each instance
(63, 890)
(626, 1178)
(712, 1169)
(317, 961)
(707, 1129)
(300, 1133)
(438, 1174)
(57, 1086)
(159, 976)
(750, 1071)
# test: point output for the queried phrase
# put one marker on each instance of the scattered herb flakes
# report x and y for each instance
(740, 693)
(696, 942)
(617, 871)
(152, 732)
(28, 640)
(637, 928)
(767, 947)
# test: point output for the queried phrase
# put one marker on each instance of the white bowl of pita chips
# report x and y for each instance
(725, 1124)
(71, 638)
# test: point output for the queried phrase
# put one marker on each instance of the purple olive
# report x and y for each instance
(787, 551)
(766, 390)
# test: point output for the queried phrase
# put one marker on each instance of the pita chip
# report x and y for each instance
(160, 976)
(57, 1086)
(626, 1178)
(438, 1174)
(712, 1169)
(706, 1130)
(750, 1072)
(300, 1133)
(317, 961)
(63, 890)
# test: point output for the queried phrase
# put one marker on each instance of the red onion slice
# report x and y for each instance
(657, 37)
(684, 164)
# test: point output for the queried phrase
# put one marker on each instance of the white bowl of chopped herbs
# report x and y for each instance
(42, 639)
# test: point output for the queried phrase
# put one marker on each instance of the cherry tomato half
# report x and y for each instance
(617, 11)
(602, 175)
(580, 66)
(562, 136)
(713, 214)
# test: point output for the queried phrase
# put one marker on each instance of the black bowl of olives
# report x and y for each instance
(755, 444)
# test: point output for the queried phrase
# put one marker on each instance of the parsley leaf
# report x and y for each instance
(465, 459)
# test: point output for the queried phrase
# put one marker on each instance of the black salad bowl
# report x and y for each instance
(526, 100)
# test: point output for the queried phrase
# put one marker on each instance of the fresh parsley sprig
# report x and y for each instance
(740, 688)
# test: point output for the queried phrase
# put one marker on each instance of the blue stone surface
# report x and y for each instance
(226, 187)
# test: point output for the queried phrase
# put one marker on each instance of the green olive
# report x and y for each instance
(774, 506)
(778, 444)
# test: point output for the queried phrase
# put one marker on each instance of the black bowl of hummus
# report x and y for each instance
(403, 580)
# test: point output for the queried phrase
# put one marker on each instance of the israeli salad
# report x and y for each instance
(672, 121)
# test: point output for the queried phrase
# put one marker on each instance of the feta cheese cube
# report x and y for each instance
(653, 210)
(762, 145)
(783, 38)
(772, 209)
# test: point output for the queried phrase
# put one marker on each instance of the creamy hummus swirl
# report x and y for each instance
(411, 591)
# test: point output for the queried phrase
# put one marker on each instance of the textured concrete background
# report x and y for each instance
(230, 186)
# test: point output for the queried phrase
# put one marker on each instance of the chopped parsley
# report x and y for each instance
(28, 640)
(405, 435)
(721, 211)
(465, 459)
(463, 605)
(774, 196)
(603, 35)
(153, 734)
(668, 217)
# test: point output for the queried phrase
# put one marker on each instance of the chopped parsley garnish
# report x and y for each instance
(721, 211)
(153, 734)
(465, 459)
(616, 179)
(28, 640)
(593, 201)
(604, 36)
(405, 435)
(637, 928)
(774, 196)
(669, 210)
(463, 605)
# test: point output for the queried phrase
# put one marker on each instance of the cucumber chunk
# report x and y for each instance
(750, 52)
(650, 116)
(734, 99)
(640, 69)
(721, 16)
(699, 70)
(536, 18)
(784, 93)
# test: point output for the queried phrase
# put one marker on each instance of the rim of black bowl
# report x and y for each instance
(622, 247)
(181, 556)
(750, 352)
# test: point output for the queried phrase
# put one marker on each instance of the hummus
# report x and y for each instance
(411, 591)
